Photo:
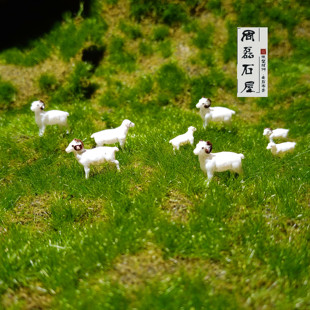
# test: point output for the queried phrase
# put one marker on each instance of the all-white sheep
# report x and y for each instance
(187, 137)
(110, 136)
(217, 162)
(276, 133)
(44, 118)
(216, 114)
(281, 148)
(89, 157)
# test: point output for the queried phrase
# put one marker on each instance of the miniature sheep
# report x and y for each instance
(281, 148)
(276, 133)
(187, 137)
(110, 136)
(96, 156)
(217, 162)
(43, 118)
(216, 114)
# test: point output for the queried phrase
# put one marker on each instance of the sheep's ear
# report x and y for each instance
(210, 147)
(79, 146)
(208, 104)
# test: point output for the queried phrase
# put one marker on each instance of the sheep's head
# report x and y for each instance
(76, 145)
(203, 147)
(127, 123)
(192, 128)
(204, 102)
(267, 132)
(37, 105)
(270, 145)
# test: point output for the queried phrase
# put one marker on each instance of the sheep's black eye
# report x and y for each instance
(202, 148)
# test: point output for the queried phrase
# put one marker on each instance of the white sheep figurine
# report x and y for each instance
(89, 157)
(276, 133)
(216, 114)
(186, 138)
(44, 118)
(281, 148)
(217, 162)
(110, 136)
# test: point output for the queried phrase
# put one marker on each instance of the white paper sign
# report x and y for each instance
(252, 62)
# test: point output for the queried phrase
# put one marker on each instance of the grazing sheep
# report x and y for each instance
(94, 156)
(53, 117)
(110, 136)
(216, 114)
(276, 133)
(187, 137)
(281, 148)
(217, 162)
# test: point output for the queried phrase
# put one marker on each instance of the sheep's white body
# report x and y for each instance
(215, 114)
(110, 136)
(90, 157)
(281, 148)
(217, 162)
(186, 138)
(44, 118)
(275, 133)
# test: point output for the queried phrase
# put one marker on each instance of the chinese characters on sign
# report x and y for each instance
(252, 62)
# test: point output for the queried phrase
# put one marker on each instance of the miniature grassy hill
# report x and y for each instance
(154, 236)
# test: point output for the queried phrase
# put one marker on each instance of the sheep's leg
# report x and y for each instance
(207, 182)
(86, 169)
(205, 124)
(122, 143)
(116, 162)
(227, 119)
(210, 176)
(41, 130)
(191, 141)
(237, 168)
(67, 127)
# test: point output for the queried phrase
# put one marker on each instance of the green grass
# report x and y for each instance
(7, 93)
(204, 37)
(118, 56)
(47, 82)
(153, 236)
(160, 33)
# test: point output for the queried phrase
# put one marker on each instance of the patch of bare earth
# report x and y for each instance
(283, 48)
(25, 79)
(146, 178)
(302, 30)
(177, 206)
(35, 211)
(94, 208)
(27, 298)
(31, 210)
(135, 270)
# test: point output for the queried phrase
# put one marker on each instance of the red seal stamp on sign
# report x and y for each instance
(263, 51)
